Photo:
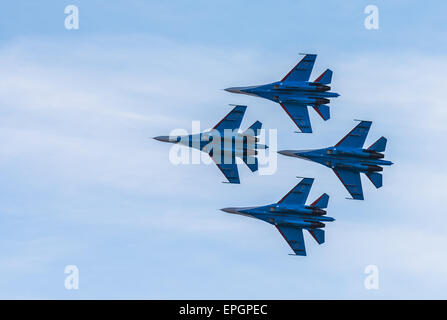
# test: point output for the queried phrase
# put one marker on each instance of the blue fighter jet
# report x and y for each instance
(348, 158)
(295, 92)
(290, 215)
(224, 143)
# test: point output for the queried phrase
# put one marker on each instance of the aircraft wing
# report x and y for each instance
(232, 120)
(351, 181)
(294, 237)
(299, 194)
(228, 169)
(302, 71)
(356, 137)
(299, 114)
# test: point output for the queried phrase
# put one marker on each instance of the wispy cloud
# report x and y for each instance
(76, 121)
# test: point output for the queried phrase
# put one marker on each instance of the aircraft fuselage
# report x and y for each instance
(299, 92)
(362, 160)
(229, 144)
(299, 216)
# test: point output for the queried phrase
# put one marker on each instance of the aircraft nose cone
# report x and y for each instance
(162, 138)
(230, 210)
(234, 90)
(288, 153)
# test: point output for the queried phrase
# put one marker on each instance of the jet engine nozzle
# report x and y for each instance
(320, 87)
(319, 101)
(249, 139)
(374, 154)
(318, 211)
(316, 225)
(252, 152)
(374, 168)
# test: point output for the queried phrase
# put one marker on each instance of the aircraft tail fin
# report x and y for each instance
(323, 111)
(318, 235)
(321, 202)
(253, 130)
(379, 145)
(251, 162)
(376, 179)
(325, 77)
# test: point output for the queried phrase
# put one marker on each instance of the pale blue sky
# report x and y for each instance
(83, 183)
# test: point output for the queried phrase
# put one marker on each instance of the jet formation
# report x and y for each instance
(295, 93)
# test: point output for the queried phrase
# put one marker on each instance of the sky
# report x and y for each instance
(83, 183)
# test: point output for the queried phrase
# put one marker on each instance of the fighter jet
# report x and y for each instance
(348, 158)
(295, 92)
(290, 215)
(224, 143)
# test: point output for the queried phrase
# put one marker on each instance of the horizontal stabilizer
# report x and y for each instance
(379, 145)
(253, 130)
(318, 235)
(376, 179)
(321, 202)
(228, 168)
(294, 237)
(251, 162)
(351, 181)
(325, 77)
(299, 114)
(323, 111)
